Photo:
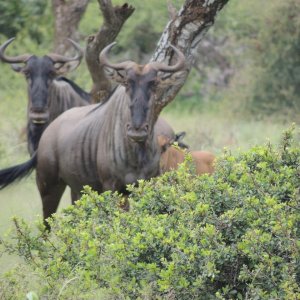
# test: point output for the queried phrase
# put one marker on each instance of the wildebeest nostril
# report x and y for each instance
(37, 110)
(138, 127)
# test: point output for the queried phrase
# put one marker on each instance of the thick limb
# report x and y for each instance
(75, 196)
(51, 195)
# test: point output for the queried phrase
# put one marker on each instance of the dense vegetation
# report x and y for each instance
(234, 235)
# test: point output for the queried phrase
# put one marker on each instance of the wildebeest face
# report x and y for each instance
(141, 84)
(140, 87)
(39, 73)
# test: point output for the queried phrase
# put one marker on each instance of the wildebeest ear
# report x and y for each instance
(164, 143)
(179, 136)
(63, 68)
(178, 139)
(171, 79)
(117, 76)
(17, 68)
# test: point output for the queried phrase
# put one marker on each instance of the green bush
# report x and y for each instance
(233, 235)
(17, 14)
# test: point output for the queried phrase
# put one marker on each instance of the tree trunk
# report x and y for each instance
(68, 14)
(114, 18)
(185, 31)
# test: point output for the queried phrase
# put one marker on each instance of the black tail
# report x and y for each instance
(9, 175)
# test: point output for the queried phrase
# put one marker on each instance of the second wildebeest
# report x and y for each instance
(49, 94)
(105, 146)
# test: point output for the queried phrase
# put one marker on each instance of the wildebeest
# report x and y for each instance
(49, 94)
(105, 146)
(172, 156)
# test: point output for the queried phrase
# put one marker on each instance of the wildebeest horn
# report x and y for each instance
(155, 65)
(175, 68)
(16, 59)
(57, 58)
(117, 66)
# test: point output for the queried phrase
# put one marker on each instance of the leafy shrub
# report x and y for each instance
(233, 235)
(15, 15)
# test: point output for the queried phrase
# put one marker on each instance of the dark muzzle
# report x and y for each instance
(39, 117)
(138, 135)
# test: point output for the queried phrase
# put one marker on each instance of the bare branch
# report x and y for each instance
(114, 18)
(67, 17)
(185, 32)
(172, 10)
(107, 10)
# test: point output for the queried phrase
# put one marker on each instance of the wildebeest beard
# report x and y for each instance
(34, 132)
(141, 154)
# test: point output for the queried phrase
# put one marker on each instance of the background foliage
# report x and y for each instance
(278, 62)
(16, 15)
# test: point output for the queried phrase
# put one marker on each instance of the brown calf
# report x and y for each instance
(172, 156)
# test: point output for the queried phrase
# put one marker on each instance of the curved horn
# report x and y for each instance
(175, 68)
(13, 59)
(118, 66)
(57, 58)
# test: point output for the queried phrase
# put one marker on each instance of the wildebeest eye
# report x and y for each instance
(152, 83)
(125, 83)
(51, 74)
(26, 73)
(129, 84)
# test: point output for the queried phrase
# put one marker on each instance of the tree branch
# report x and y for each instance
(67, 17)
(114, 18)
(185, 32)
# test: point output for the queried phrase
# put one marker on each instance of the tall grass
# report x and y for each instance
(213, 127)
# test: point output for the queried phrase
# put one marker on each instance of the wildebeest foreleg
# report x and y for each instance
(74, 196)
(51, 195)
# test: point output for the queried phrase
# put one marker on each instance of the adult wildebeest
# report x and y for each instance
(49, 95)
(172, 156)
(106, 146)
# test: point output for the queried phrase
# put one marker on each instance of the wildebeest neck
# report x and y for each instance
(128, 156)
(63, 96)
